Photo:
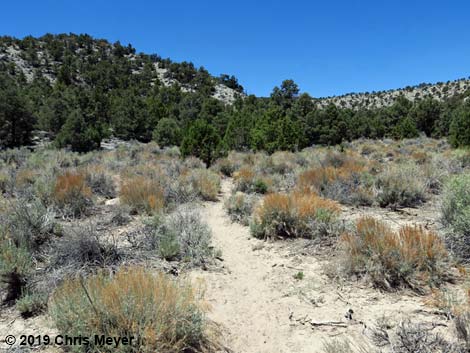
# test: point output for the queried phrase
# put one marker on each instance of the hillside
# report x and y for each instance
(80, 90)
(440, 91)
(51, 56)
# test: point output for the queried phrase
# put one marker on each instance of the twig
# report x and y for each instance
(329, 323)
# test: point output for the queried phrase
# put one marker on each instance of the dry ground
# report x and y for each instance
(263, 308)
(259, 304)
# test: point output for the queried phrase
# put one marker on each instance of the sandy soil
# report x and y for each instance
(263, 308)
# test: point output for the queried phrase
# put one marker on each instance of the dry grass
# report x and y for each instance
(142, 194)
(206, 184)
(71, 194)
(25, 177)
(164, 315)
(239, 207)
(342, 179)
(298, 214)
(247, 180)
(412, 257)
(401, 185)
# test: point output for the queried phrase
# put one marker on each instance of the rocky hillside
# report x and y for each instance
(53, 56)
(370, 100)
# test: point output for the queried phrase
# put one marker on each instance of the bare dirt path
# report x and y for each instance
(260, 305)
(242, 296)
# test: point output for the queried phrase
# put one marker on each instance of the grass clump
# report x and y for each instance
(346, 183)
(162, 314)
(182, 236)
(246, 180)
(205, 183)
(401, 185)
(100, 182)
(411, 258)
(240, 206)
(142, 194)
(455, 214)
(31, 304)
(71, 195)
(298, 214)
(15, 265)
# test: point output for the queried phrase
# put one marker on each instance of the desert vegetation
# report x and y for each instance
(88, 224)
(126, 178)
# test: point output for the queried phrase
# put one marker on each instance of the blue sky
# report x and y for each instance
(328, 47)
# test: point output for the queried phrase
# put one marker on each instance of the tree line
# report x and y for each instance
(100, 92)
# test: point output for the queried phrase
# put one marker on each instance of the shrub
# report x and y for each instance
(246, 180)
(83, 247)
(225, 166)
(455, 210)
(71, 194)
(31, 304)
(100, 182)
(206, 184)
(15, 265)
(31, 224)
(142, 194)
(347, 183)
(164, 315)
(193, 237)
(298, 214)
(409, 258)
(401, 186)
(240, 206)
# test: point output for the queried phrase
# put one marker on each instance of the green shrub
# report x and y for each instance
(79, 132)
(167, 133)
(240, 206)
(455, 210)
(15, 265)
(180, 235)
(402, 185)
(298, 214)
(459, 131)
(31, 223)
(412, 257)
(31, 304)
(162, 314)
(201, 140)
(205, 183)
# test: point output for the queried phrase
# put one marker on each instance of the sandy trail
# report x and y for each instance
(259, 303)
(244, 296)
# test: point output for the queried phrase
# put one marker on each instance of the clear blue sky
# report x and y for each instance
(328, 47)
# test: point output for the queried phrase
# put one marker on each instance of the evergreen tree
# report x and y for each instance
(167, 133)
(78, 133)
(16, 122)
(201, 140)
(459, 132)
(426, 113)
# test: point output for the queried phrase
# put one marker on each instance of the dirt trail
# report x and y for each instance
(242, 296)
(259, 303)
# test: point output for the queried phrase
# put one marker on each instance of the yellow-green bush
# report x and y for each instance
(162, 314)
